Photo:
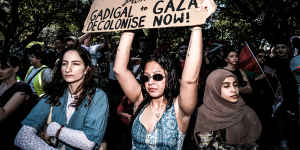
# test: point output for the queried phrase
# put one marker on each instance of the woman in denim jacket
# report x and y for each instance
(80, 110)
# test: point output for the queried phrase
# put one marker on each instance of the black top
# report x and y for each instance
(11, 125)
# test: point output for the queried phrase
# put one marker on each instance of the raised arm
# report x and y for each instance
(189, 81)
(83, 37)
(129, 84)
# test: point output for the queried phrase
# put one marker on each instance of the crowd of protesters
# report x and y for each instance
(273, 95)
(84, 95)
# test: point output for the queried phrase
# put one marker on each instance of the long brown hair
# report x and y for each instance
(57, 87)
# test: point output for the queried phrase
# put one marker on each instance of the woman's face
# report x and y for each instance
(230, 90)
(7, 72)
(73, 68)
(232, 58)
(154, 79)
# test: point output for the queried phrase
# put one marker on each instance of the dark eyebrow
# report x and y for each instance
(225, 82)
(72, 61)
(76, 61)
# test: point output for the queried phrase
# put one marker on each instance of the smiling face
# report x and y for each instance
(230, 90)
(73, 68)
(154, 72)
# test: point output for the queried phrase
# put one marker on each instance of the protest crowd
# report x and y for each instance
(89, 93)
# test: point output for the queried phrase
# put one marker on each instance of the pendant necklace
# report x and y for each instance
(158, 113)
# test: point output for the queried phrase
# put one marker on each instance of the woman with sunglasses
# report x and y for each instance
(164, 102)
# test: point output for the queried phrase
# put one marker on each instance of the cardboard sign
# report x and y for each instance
(115, 15)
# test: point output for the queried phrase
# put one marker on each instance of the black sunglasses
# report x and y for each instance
(156, 77)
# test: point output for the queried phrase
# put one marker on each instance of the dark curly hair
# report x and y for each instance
(172, 66)
(56, 88)
(228, 51)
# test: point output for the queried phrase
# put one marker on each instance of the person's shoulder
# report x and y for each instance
(296, 57)
(100, 94)
(47, 69)
(250, 111)
(30, 68)
(84, 46)
(295, 60)
(100, 99)
(100, 91)
(21, 83)
(95, 46)
(23, 86)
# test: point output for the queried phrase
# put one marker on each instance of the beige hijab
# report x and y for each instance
(240, 121)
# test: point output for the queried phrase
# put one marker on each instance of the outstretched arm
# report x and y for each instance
(189, 80)
(129, 84)
(187, 99)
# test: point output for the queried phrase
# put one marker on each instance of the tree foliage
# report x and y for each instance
(254, 20)
(27, 18)
(234, 22)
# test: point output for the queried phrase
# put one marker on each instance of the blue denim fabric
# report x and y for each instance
(92, 120)
(165, 135)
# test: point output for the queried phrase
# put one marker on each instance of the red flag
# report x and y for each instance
(248, 61)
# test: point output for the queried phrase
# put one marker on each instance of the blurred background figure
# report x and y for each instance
(286, 114)
(38, 74)
(231, 57)
(14, 100)
(295, 68)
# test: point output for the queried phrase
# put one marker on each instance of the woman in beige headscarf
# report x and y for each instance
(224, 121)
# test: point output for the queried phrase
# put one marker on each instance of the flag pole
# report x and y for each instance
(261, 69)
(255, 58)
